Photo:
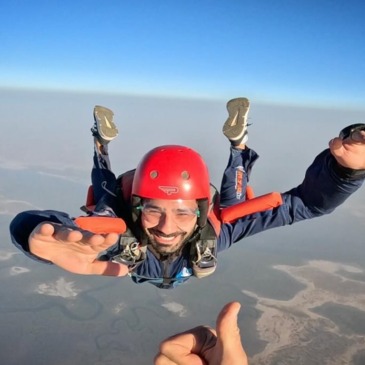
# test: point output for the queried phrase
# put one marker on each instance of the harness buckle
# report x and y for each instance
(130, 255)
(205, 263)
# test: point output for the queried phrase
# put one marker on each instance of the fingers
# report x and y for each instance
(183, 348)
(229, 345)
(49, 237)
(74, 250)
(348, 153)
(161, 359)
(358, 136)
(110, 239)
(74, 234)
(67, 234)
(200, 346)
(57, 231)
(45, 229)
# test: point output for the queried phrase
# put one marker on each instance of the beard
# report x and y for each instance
(164, 249)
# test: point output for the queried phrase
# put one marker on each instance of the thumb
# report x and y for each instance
(228, 335)
(227, 327)
(336, 146)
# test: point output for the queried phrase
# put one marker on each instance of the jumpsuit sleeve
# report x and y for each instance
(23, 224)
(326, 185)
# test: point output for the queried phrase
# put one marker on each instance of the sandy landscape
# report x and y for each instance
(295, 333)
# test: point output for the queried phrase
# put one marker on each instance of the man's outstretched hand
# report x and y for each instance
(206, 346)
(350, 152)
(74, 250)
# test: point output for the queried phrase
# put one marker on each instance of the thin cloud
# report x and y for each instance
(119, 308)
(59, 288)
(175, 308)
(6, 255)
(17, 270)
(11, 207)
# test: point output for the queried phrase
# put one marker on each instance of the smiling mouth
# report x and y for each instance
(165, 238)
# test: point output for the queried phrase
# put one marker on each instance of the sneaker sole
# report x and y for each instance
(236, 123)
(104, 119)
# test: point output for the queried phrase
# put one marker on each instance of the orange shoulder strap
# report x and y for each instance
(254, 205)
(101, 225)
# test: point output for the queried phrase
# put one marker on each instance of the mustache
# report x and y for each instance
(161, 234)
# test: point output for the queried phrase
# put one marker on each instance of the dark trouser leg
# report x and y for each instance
(236, 176)
(102, 178)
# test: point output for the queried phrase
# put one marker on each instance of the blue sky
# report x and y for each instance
(287, 51)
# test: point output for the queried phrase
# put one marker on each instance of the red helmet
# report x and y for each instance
(173, 172)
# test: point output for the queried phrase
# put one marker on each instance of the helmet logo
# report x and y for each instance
(169, 190)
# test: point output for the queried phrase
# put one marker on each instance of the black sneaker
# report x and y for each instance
(235, 127)
(104, 128)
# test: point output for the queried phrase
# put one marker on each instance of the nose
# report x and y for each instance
(167, 224)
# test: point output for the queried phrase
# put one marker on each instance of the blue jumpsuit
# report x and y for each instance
(326, 185)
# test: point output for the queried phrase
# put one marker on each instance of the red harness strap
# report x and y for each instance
(253, 205)
(101, 225)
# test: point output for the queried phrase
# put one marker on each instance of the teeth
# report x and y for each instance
(168, 239)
